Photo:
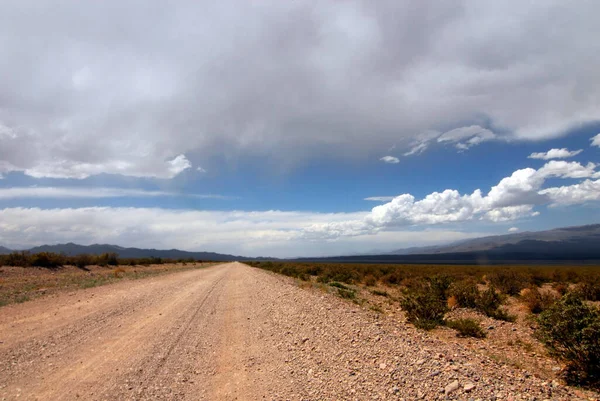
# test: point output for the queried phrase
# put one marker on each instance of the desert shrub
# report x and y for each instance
(570, 329)
(589, 289)
(47, 259)
(380, 293)
(348, 294)
(561, 288)
(538, 277)
(440, 284)
(289, 271)
(489, 303)
(423, 307)
(370, 280)
(338, 273)
(107, 259)
(393, 278)
(82, 261)
(466, 328)
(339, 285)
(465, 293)
(21, 259)
(537, 301)
(509, 281)
(313, 270)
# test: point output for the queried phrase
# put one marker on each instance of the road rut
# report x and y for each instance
(180, 336)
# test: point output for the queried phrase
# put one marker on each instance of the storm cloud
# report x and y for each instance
(148, 88)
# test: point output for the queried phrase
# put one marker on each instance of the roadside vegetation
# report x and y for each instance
(559, 302)
(25, 276)
(52, 260)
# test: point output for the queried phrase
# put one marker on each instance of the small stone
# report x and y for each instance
(382, 366)
(469, 387)
(451, 387)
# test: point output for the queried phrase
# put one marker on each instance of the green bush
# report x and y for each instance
(466, 293)
(439, 285)
(570, 329)
(47, 259)
(466, 328)
(423, 307)
(489, 303)
(347, 294)
(82, 261)
(509, 281)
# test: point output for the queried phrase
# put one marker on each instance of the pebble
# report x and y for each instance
(451, 387)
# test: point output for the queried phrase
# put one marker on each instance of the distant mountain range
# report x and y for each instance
(529, 240)
(71, 249)
(562, 245)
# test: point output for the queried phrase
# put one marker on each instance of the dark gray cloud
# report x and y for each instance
(127, 87)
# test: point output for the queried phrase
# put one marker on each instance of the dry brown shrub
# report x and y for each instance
(452, 302)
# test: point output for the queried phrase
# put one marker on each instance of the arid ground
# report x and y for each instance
(233, 332)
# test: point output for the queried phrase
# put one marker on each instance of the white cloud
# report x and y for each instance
(178, 165)
(462, 138)
(514, 197)
(91, 193)
(563, 169)
(513, 229)
(596, 141)
(78, 170)
(586, 191)
(466, 137)
(201, 170)
(390, 159)
(335, 80)
(555, 154)
(379, 198)
(417, 149)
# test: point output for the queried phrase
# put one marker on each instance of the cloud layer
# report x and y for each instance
(514, 197)
(91, 193)
(144, 89)
(270, 233)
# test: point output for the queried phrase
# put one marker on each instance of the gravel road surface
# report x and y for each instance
(232, 332)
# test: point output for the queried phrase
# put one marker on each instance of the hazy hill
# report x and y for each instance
(566, 236)
(95, 249)
(4, 250)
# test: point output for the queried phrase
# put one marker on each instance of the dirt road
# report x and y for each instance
(231, 332)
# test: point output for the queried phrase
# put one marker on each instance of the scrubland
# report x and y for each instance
(543, 318)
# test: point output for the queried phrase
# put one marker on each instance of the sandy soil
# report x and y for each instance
(232, 332)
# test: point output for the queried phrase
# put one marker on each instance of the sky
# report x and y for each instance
(279, 128)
